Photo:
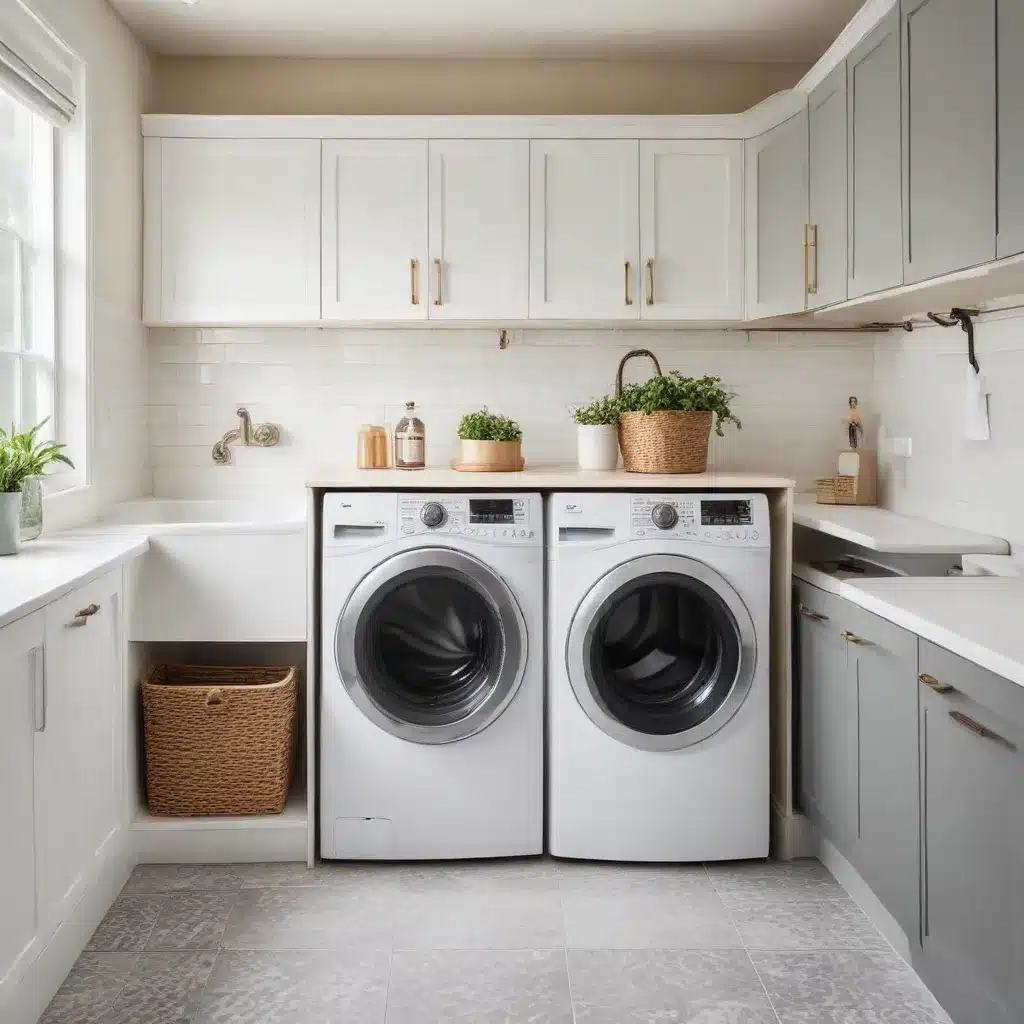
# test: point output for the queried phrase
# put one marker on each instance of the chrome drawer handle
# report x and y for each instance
(854, 639)
(935, 684)
(981, 730)
(83, 615)
(810, 613)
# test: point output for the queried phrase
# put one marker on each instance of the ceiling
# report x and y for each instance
(730, 30)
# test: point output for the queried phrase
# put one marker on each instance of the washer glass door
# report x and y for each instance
(661, 652)
(431, 645)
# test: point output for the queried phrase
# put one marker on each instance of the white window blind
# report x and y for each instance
(35, 66)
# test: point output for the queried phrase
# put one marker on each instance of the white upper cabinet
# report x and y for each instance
(584, 230)
(691, 230)
(232, 231)
(375, 229)
(479, 229)
(778, 259)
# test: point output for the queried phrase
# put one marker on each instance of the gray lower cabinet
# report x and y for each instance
(1011, 128)
(875, 165)
(827, 169)
(949, 135)
(972, 767)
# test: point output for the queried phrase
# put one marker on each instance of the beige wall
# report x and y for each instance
(238, 85)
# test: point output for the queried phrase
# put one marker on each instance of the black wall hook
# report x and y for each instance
(965, 318)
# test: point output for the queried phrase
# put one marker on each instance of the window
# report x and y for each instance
(28, 350)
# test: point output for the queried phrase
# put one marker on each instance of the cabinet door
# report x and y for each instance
(21, 655)
(584, 229)
(1011, 128)
(78, 753)
(375, 229)
(875, 161)
(887, 852)
(691, 230)
(479, 229)
(776, 218)
(949, 130)
(827, 170)
(973, 799)
(232, 231)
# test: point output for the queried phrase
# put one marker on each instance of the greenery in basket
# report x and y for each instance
(486, 426)
(601, 412)
(673, 392)
(21, 456)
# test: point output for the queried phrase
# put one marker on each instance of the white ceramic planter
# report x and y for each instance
(597, 447)
(10, 522)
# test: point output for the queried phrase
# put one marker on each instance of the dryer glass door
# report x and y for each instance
(431, 645)
(661, 652)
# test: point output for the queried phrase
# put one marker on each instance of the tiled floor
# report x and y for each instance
(506, 942)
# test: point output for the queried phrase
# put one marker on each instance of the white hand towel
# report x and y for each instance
(976, 425)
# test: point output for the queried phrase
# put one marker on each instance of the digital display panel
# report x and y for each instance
(725, 513)
(491, 511)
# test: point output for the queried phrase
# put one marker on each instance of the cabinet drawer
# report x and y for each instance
(1000, 696)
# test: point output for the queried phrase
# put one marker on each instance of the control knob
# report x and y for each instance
(433, 515)
(664, 516)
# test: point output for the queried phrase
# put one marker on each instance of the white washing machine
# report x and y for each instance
(658, 676)
(432, 676)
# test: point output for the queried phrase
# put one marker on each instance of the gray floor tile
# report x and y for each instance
(484, 987)
(191, 920)
(127, 925)
(263, 876)
(147, 878)
(498, 918)
(530, 874)
(645, 920)
(798, 879)
(595, 877)
(310, 918)
(848, 987)
(686, 986)
(364, 876)
(814, 924)
(90, 989)
(163, 988)
(296, 987)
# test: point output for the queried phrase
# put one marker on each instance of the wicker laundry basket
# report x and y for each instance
(219, 740)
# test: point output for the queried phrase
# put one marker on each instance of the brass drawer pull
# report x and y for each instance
(811, 258)
(854, 639)
(414, 274)
(650, 282)
(981, 730)
(83, 615)
(935, 684)
(810, 613)
(629, 283)
(439, 272)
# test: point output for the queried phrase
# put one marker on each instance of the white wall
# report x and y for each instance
(919, 393)
(116, 90)
(319, 385)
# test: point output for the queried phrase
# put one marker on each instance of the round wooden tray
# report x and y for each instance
(483, 467)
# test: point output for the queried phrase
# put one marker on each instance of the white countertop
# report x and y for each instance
(47, 569)
(539, 478)
(881, 530)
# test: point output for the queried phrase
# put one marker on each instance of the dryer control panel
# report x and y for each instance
(498, 518)
(740, 520)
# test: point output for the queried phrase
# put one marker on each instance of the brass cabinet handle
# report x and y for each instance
(811, 258)
(935, 684)
(650, 282)
(854, 639)
(83, 615)
(414, 274)
(439, 271)
(629, 284)
(981, 730)
(810, 613)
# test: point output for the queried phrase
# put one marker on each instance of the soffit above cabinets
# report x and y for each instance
(726, 30)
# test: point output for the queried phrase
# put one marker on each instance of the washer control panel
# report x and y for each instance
(502, 519)
(740, 521)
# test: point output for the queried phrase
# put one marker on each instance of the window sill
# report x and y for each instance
(68, 508)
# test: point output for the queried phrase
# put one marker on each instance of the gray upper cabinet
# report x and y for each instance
(949, 129)
(972, 737)
(1011, 127)
(875, 163)
(827, 169)
(883, 666)
(777, 217)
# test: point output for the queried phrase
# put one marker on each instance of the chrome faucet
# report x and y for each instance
(263, 435)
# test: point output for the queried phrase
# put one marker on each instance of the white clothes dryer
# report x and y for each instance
(658, 723)
(432, 676)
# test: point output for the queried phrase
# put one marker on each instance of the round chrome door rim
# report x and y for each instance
(581, 634)
(488, 585)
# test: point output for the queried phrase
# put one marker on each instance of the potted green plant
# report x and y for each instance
(597, 439)
(490, 442)
(23, 460)
(665, 424)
